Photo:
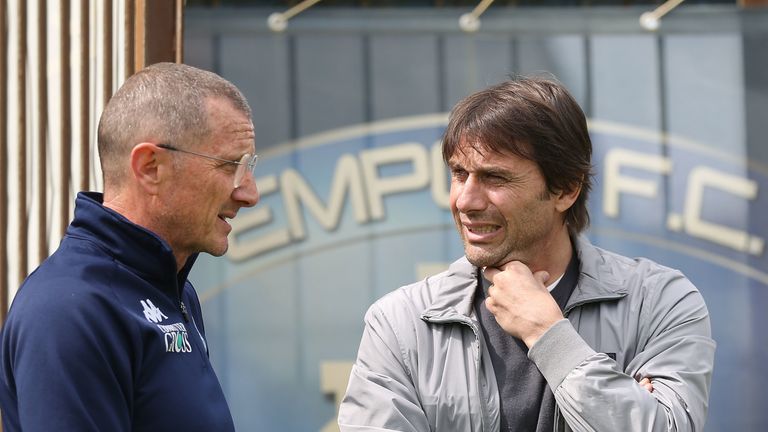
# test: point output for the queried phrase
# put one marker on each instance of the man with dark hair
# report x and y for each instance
(107, 334)
(535, 329)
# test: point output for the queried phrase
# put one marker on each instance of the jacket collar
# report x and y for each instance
(131, 245)
(456, 290)
(598, 280)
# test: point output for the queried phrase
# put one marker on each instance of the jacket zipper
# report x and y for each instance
(184, 311)
(485, 421)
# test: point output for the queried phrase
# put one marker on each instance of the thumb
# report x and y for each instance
(541, 276)
(490, 272)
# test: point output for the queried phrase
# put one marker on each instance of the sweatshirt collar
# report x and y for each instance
(128, 243)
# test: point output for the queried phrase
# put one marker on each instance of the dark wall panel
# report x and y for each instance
(474, 62)
(625, 80)
(264, 79)
(704, 82)
(563, 56)
(398, 88)
(330, 82)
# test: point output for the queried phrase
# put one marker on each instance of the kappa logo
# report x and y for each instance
(151, 312)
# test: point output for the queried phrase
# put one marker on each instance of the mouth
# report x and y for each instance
(226, 217)
(482, 229)
(481, 232)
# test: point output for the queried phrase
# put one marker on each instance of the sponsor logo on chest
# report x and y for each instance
(175, 335)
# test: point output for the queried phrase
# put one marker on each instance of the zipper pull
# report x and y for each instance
(184, 312)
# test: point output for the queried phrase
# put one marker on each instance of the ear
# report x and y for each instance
(148, 166)
(564, 199)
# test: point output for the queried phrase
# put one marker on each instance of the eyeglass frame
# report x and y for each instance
(242, 165)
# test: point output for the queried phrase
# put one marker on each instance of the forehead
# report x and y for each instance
(476, 156)
(231, 129)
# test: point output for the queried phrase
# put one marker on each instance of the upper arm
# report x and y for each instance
(69, 364)
(665, 326)
(678, 354)
(381, 394)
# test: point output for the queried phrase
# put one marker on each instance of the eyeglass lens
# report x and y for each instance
(247, 163)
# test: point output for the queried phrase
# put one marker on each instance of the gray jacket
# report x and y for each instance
(423, 364)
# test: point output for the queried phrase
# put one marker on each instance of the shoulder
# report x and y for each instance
(614, 269)
(66, 296)
(403, 304)
(68, 276)
(643, 280)
(449, 289)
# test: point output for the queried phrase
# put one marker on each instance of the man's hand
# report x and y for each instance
(520, 302)
(647, 384)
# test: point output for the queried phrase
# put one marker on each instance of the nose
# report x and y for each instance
(469, 195)
(247, 194)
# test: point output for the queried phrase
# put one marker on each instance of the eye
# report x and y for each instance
(227, 166)
(496, 179)
(458, 174)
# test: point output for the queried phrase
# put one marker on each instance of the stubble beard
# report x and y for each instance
(514, 248)
(481, 257)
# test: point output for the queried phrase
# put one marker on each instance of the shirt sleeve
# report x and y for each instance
(380, 395)
(66, 358)
(675, 350)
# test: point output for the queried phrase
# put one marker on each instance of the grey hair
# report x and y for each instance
(163, 103)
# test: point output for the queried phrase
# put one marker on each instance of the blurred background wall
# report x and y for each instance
(349, 104)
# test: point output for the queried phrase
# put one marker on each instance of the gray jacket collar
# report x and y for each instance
(598, 281)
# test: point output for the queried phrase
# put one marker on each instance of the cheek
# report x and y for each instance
(210, 198)
(503, 204)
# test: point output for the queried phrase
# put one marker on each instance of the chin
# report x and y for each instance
(481, 258)
(218, 251)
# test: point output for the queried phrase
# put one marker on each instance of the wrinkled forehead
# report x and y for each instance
(476, 147)
(230, 126)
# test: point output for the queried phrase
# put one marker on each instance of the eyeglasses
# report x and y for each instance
(247, 163)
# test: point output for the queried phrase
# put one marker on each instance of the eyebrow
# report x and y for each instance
(483, 171)
(494, 171)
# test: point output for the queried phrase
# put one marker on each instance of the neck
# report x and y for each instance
(137, 212)
(554, 256)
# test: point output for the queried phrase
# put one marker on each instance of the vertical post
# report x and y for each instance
(85, 83)
(66, 116)
(161, 22)
(130, 30)
(42, 132)
(178, 47)
(21, 97)
(139, 26)
(3, 159)
(107, 58)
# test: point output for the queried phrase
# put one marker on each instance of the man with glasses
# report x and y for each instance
(107, 334)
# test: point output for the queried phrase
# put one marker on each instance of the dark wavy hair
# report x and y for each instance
(535, 118)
